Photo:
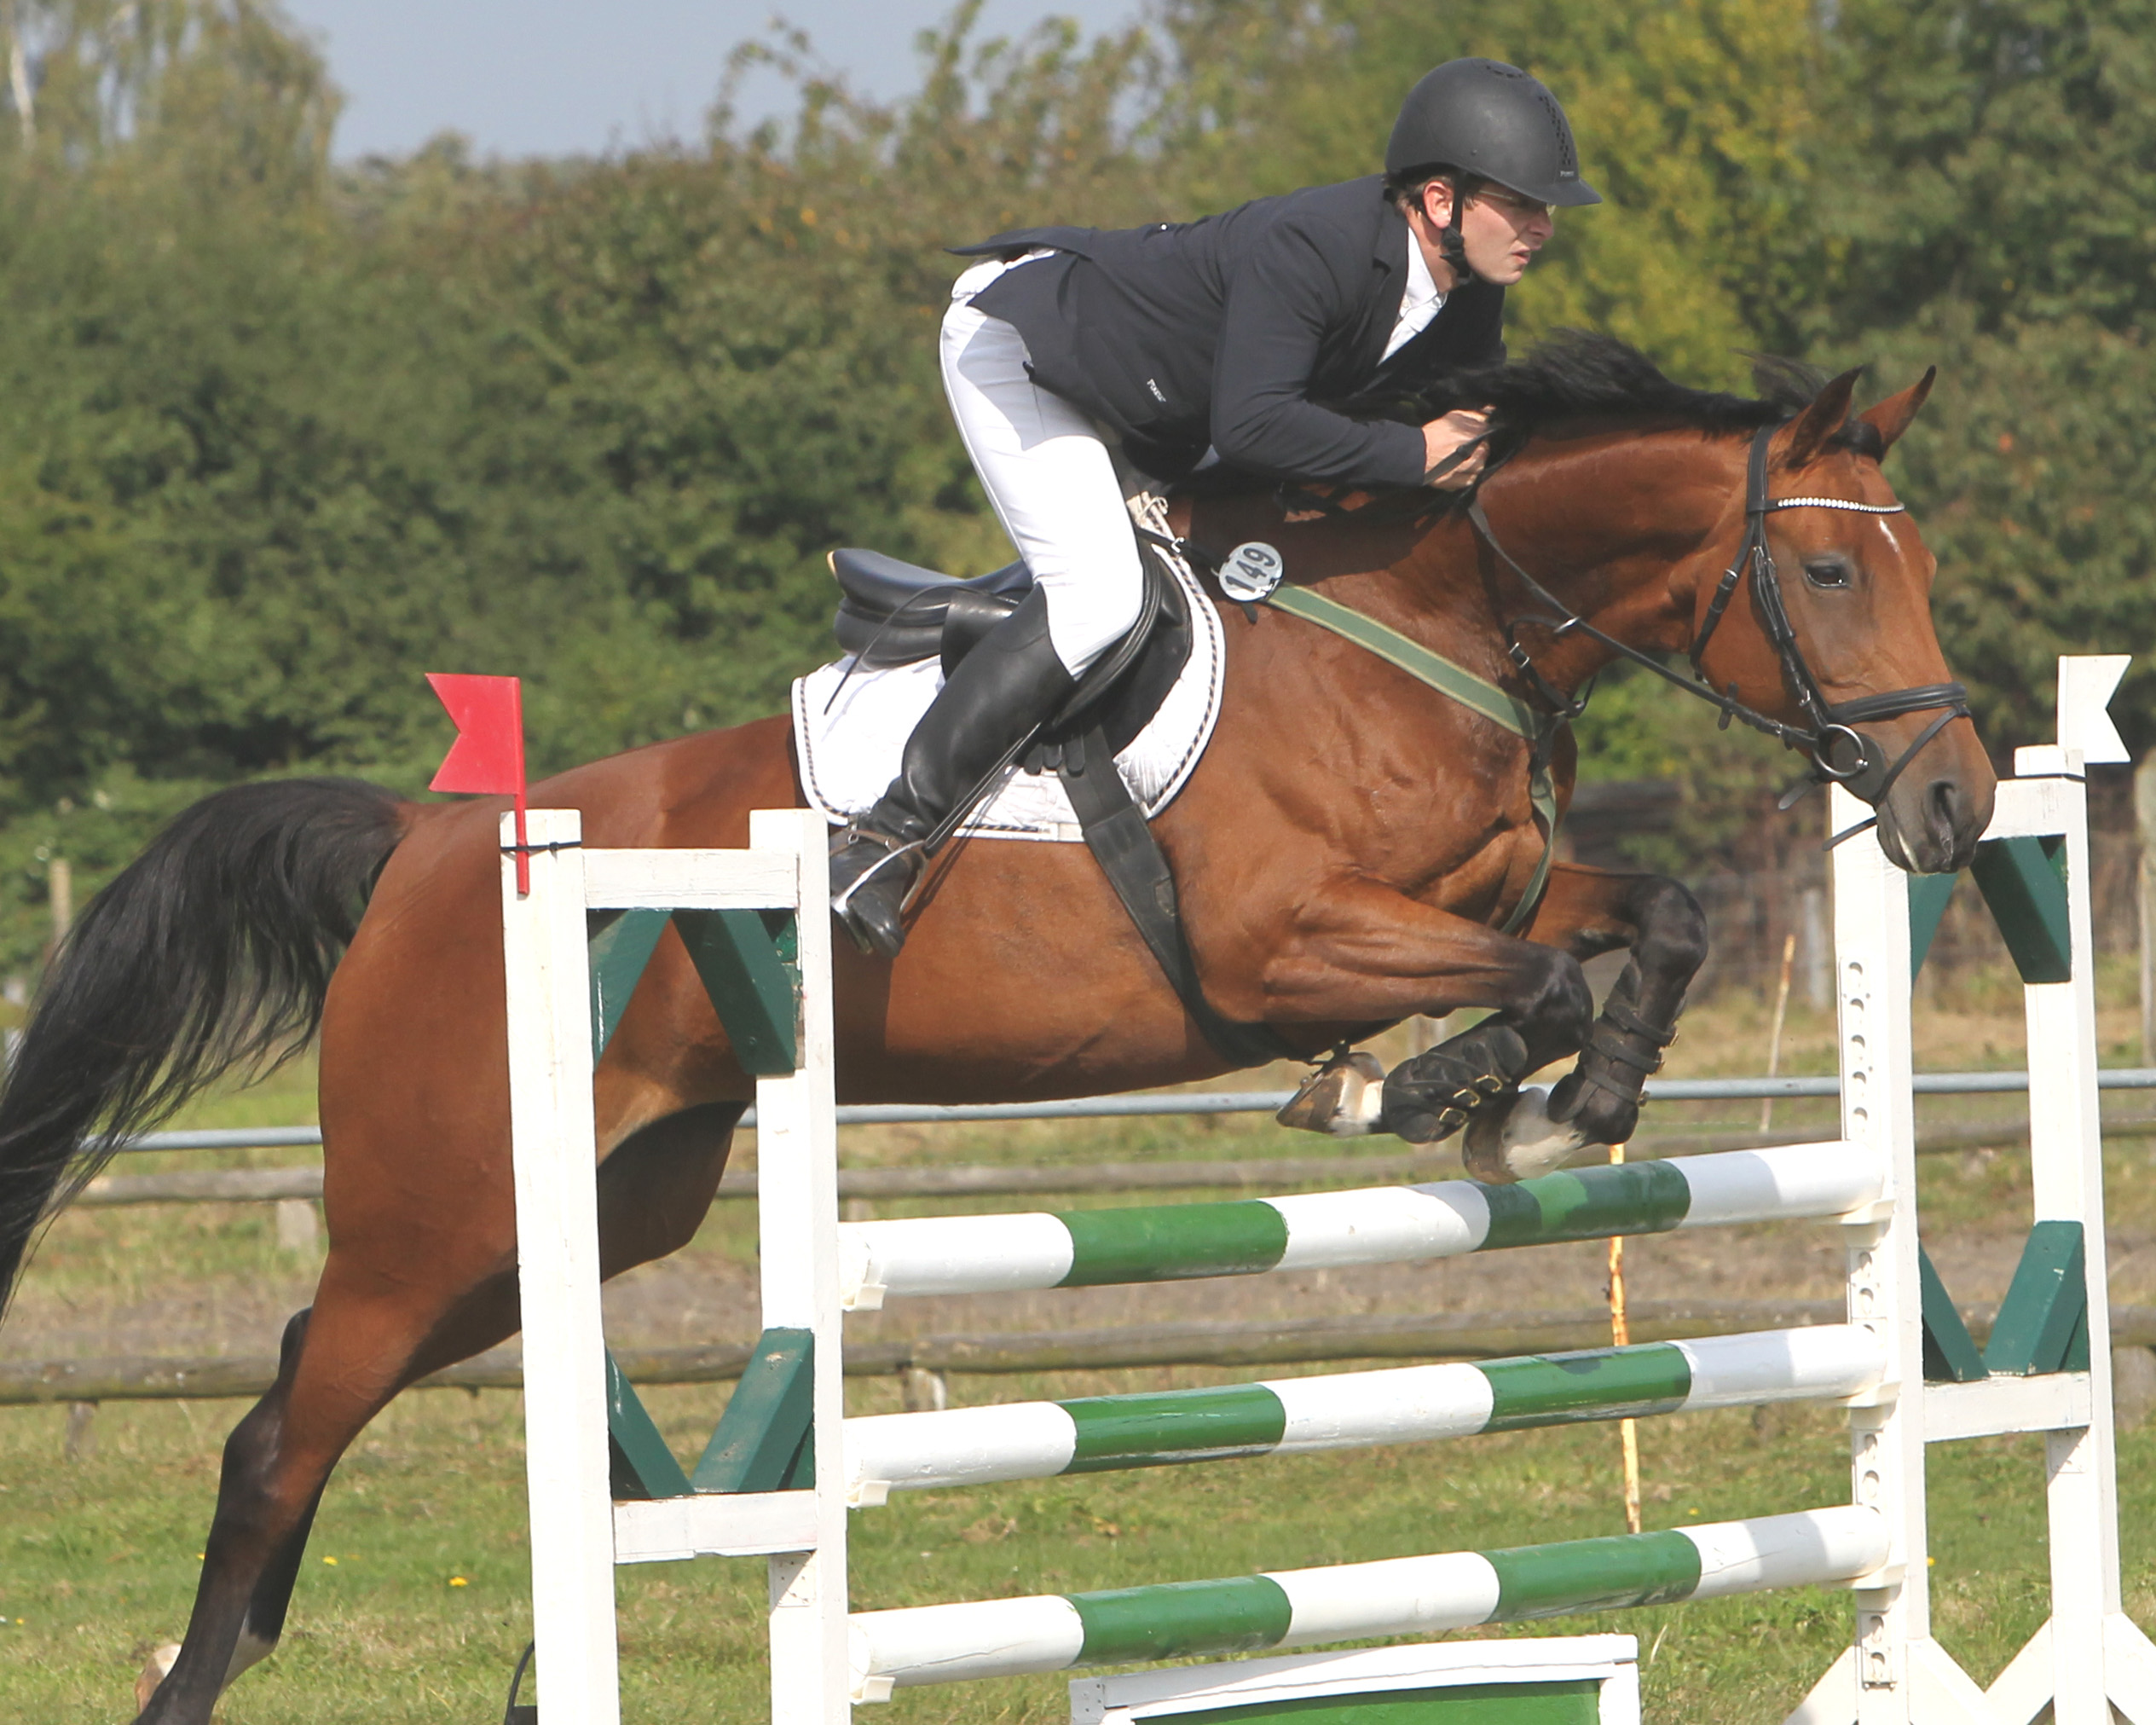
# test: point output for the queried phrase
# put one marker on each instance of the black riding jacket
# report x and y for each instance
(1234, 331)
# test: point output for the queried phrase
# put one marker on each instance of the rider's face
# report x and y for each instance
(1501, 230)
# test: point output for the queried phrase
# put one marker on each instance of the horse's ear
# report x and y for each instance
(1891, 417)
(1828, 413)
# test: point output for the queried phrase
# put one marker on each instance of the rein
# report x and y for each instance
(1839, 752)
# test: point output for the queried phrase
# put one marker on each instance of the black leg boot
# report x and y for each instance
(1002, 692)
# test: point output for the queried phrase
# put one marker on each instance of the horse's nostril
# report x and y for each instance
(1943, 804)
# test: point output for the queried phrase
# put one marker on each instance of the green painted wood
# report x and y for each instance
(641, 1464)
(1170, 1426)
(2047, 1301)
(621, 943)
(1950, 1355)
(1609, 1383)
(1928, 899)
(2077, 1355)
(1171, 1619)
(1574, 1701)
(1587, 1575)
(762, 1440)
(1172, 1242)
(740, 956)
(2024, 882)
(1648, 1197)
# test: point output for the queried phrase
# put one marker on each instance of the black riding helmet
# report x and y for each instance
(1487, 121)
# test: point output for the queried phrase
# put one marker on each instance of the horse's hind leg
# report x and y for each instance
(340, 1365)
(375, 1326)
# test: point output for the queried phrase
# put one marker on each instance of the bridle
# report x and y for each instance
(1839, 752)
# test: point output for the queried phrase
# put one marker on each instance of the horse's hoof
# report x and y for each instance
(155, 1672)
(1522, 1141)
(1342, 1098)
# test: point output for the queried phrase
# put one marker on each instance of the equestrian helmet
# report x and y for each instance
(1495, 122)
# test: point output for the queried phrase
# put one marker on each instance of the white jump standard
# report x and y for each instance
(785, 1464)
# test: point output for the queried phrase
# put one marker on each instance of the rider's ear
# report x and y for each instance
(1826, 415)
(1891, 417)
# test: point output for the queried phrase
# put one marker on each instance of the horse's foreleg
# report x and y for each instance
(1364, 953)
(1588, 911)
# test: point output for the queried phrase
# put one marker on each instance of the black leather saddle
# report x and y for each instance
(895, 613)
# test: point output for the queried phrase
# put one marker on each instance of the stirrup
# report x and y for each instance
(893, 850)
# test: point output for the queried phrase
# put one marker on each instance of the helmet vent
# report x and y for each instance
(1567, 162)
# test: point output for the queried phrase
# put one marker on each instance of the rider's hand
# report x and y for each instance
(1440, 438)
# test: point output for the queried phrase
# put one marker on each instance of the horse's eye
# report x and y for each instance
(1829, 571)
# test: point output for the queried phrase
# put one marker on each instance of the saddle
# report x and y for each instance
(895, 613)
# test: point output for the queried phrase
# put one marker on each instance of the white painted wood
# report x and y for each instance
(2021, 1693)
(757, 879)
(797, 1206)
(1833, 1699)
(2029, 808)
(2066, 1165)
(1940, 1693)
(1878, 1111)
(553, 1148)
(753, 1524)
(1130, 1698)
(2130, 1668)
(1994, 1406)
(2087, 682)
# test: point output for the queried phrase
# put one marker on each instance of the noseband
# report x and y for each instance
(1839, 751)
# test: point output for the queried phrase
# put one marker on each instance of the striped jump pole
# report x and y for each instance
(1037, 1440)
(1398, 1596)
(1379, 1225)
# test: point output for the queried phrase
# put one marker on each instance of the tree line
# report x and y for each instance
(278, 435)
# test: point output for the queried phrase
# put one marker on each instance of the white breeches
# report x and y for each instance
(1049, 475)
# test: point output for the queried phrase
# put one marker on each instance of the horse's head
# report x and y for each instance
(1839, 641)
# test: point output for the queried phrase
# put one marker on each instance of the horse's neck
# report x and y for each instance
(1613, 527)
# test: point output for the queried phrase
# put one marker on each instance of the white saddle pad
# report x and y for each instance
(849, 748)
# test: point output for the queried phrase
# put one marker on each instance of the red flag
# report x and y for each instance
(487, 756)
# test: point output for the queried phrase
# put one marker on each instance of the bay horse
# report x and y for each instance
(1348, 851)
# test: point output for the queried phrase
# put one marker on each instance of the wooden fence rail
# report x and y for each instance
(1417, 1336)
(268, 1186)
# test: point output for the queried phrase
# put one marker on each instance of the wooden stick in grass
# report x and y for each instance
(1620, 1336)
(1774, 1036)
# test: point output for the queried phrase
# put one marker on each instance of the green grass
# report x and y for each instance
(97, 1558)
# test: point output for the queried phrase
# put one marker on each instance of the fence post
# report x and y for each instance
(2145, 829)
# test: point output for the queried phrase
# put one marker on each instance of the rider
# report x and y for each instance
(1180, 342)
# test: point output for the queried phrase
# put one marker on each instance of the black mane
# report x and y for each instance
(1579, 375)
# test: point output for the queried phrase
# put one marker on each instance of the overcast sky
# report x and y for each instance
(557, 77)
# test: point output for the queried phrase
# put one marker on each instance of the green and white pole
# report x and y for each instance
(1037, 1440)
(1379, 1225)
(1401, 1596)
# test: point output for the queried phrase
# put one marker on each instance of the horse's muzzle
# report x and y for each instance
(1931, 820)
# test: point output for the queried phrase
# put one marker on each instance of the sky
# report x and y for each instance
(563, 77)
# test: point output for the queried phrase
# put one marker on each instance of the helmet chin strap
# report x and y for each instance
(1452, 244)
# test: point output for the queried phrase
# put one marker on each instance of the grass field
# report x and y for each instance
(412, 1602)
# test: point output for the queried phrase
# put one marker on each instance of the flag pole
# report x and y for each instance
(523, 839)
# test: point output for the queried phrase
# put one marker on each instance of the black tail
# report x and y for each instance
(212, 950)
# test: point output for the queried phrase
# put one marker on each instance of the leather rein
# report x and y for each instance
(1839, 752)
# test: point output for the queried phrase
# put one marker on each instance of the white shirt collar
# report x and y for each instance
(1420, 302)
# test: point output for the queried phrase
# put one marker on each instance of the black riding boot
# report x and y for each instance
(1008, 685)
